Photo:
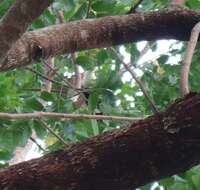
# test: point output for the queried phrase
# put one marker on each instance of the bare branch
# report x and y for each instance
(146, 48)
(184, 85)
(142, 53)
(78, 76)
(47, 78)
(133, 9)
(151, 103)
(88, 8)
(55, 71)
(49, 63)
(77, 67)
(37, 144)
(45, 125)
(101, 32)
(39, 115)
(61, 90)
(61, 16)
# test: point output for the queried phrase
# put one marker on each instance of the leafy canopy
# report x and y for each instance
(107, 88)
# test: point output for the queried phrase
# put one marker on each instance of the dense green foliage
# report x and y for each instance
(106, 92)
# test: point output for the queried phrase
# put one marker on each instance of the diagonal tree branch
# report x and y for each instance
(134, 8)
(187, 60)
(141, 86)
(121, 159)
(17, 20)
(37, 144)
(45, 125)
(49, 79)
(101, 32)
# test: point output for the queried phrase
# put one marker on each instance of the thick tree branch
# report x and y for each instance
(102, 32)
(122, 159)
(17, 20)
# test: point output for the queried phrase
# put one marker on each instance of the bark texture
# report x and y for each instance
(122, 159)
(98, 33)
(17, 20)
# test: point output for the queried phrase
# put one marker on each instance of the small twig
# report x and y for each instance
(133, 9)
(55, 115)
(55, 71)
(88, 8)
(45, 125)
(78, 77)
(151, 103)
(52, 91)
(61, 16)
(47, 78)
(187, 60)
(146, 48)
(77, 72)
(142, 53)
(49, 65)
(38, 145)
(48, 72)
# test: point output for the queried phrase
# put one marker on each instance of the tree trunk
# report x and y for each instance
(121, 159)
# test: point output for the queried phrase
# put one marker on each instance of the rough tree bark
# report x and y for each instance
(102, 32)
(17, 20)
(122, 159)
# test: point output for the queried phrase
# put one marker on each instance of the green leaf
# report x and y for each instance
(39, 129)
(5, 155)
(47, 96)
(193, 4)
(93, 100)
(84, 61)
(33, 104)
(95, 127)
(103, 6)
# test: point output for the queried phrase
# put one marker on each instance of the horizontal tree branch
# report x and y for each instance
(39, 115)
(101, 32)
(59, 91)
(121, 159)
(16, 21)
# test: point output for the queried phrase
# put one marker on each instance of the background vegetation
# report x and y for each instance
(107, 87)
